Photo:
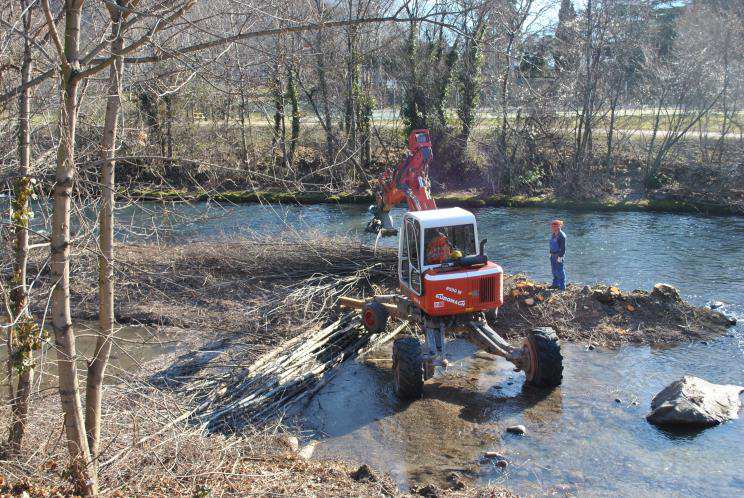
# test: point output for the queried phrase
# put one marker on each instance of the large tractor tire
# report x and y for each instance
(374, 317)
(546, 362)
(408, 368)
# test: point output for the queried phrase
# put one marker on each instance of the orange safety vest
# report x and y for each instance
(438, 250)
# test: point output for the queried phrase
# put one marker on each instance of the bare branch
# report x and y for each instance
(54, 33)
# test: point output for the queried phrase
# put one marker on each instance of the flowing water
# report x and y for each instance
(580, 439)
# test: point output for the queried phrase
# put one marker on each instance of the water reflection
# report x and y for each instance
(580, 439)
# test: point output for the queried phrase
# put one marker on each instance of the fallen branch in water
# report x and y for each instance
(291, 373)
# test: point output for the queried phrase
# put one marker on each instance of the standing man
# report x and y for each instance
(557, 252)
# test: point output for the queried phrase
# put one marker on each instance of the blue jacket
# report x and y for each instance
(558, 244)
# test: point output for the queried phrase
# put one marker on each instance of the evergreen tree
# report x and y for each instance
(413, 109)
(566, 38)
(470, 82)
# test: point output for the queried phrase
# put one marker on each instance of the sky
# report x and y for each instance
(545, 13)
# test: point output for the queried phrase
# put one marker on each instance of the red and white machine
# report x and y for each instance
(408, 181)
(447, 284)
(465, 283)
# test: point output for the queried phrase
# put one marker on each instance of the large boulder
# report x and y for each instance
(694, 401)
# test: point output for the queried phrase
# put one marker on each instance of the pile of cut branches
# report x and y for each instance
(288, 374)
(267, 332)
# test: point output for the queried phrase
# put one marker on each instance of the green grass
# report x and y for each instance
(667, 206)
(467, 200)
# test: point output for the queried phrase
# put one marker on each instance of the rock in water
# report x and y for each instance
(666, 293)
(694, 401)
(494, 454)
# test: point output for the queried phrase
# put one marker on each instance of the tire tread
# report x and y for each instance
(550, 359)
(407, 358)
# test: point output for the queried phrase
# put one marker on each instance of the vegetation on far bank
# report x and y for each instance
(452, 199)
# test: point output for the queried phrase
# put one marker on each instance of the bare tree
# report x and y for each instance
(119, 13)
(24, 335)
(73, 72)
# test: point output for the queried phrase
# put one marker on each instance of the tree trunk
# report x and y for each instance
(241, 115)
(20, 338)
(168, 124)
(295, 107)
(325, 99)
(83, 474)
(279, 136)
(97, 366)
(584, 133)
(352, 91)
(611, 132)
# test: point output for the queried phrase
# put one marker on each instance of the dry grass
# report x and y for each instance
(146, 454)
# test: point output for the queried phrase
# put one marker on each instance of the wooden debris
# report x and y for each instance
(291, 373)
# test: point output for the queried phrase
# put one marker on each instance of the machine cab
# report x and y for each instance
(441, 265)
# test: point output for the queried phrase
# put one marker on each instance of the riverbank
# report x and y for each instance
(669, 203)
(260, 291)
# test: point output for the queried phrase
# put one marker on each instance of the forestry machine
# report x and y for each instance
(447, 284)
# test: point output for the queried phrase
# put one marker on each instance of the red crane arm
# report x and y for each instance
(408, 181)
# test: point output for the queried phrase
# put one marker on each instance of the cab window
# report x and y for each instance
(413, 239)
(439, 242)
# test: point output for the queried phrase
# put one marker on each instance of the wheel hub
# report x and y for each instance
(369, 318)
(528, 361)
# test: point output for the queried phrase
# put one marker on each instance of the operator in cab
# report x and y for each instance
(557, 253)
(438, 250)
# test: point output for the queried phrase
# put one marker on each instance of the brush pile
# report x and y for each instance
(604, 315)
(251, 293)
(288, 374)
(261, 314)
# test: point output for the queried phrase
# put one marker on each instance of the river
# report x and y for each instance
(702, 256)
(580, 439)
